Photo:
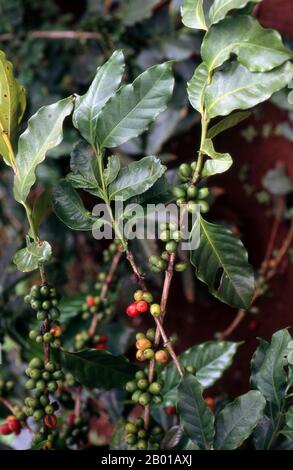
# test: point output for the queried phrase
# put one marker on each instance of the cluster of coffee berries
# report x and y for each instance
(94, 305)
(138, 438)
(187, 192)
(141, 304)
(171, 236)
(75, 431)
(5, 387)
(44, 379)
(143, 392)
(146, 349)
(12, 425)
(112, 249)
(45, 300)
(84, 340)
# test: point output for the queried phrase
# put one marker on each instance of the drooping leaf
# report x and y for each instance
(209, 360)
(220, 8)
(44, 131)
(69, 207)
(27, 259)
(195, 416)
(221, 262)
(136, 178)
(84, 170)
(135, 106)
(88, 107)
(219, 163)
(112, 169)
(236, 421)
(196, 87)
(257, 48)
(12, 107)
(271, 378)
(235, 87)
(227, 123)
(192, 13)
(98, 369)
(277, 182)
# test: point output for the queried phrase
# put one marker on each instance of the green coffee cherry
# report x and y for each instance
(142, 384)
(155, 310)
(130, 387)
(150, 334)
(33, 334)
(140, 375)
(136, 396)
(178, 192)
(131, 428)
(171, 247)
(144, 399)
(41, 315)
(149, 353)
(180, 266)
(164, 236)
(191, 192)
(185, 170)
(36, 363)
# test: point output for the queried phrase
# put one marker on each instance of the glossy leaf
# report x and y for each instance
(12, 107)
(220, 8)
(196, 418)
(98, 369)
(69, 207)
(136, 178)
(219, 163)
(257, 48)
(221, 262)
(27, 259)
(271, 378)
(210, 360)
(135, 106)
(257, 360)
(192, 13)
(228, 122)
(44, 131)
(266, 432)
(235, 87)
(84, 170)
(112, 169)
(196, 87)
(88, 107)
(237, 420)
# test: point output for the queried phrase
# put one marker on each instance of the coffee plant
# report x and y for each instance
(99, 368)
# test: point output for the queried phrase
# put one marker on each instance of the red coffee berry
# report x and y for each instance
(56, 331)
(71, 419)
(100, 346)
(103, 339)
(14, 424)
(132, 311)
(142, 306)
(90, 300)
(5, 430)
(210, 402)
(50, 421)
(252, 325)
(170, 410)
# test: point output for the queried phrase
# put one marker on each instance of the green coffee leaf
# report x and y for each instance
(257, 360)
(192, 13)
(196, 87)
(235, 87)
(98, 369)
(133, 12)
(219, 163)
(136, 178)
(209, 360)
(227, 123)
(135, 106)
(27, 259)
(44, 131)
(237, 420)
(195, 416)
(69, 207)
(258, 49)
(172, 438)
(41, 207)
(221, 262)
(112, 169)
(12, 107)
(103, 86)
(271, 378)
(84, 170)
(220, 8)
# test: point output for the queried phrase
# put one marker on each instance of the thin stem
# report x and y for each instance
(7, 404)
(105, 289)
(274, 231)
(77, 404)
(201, 153)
